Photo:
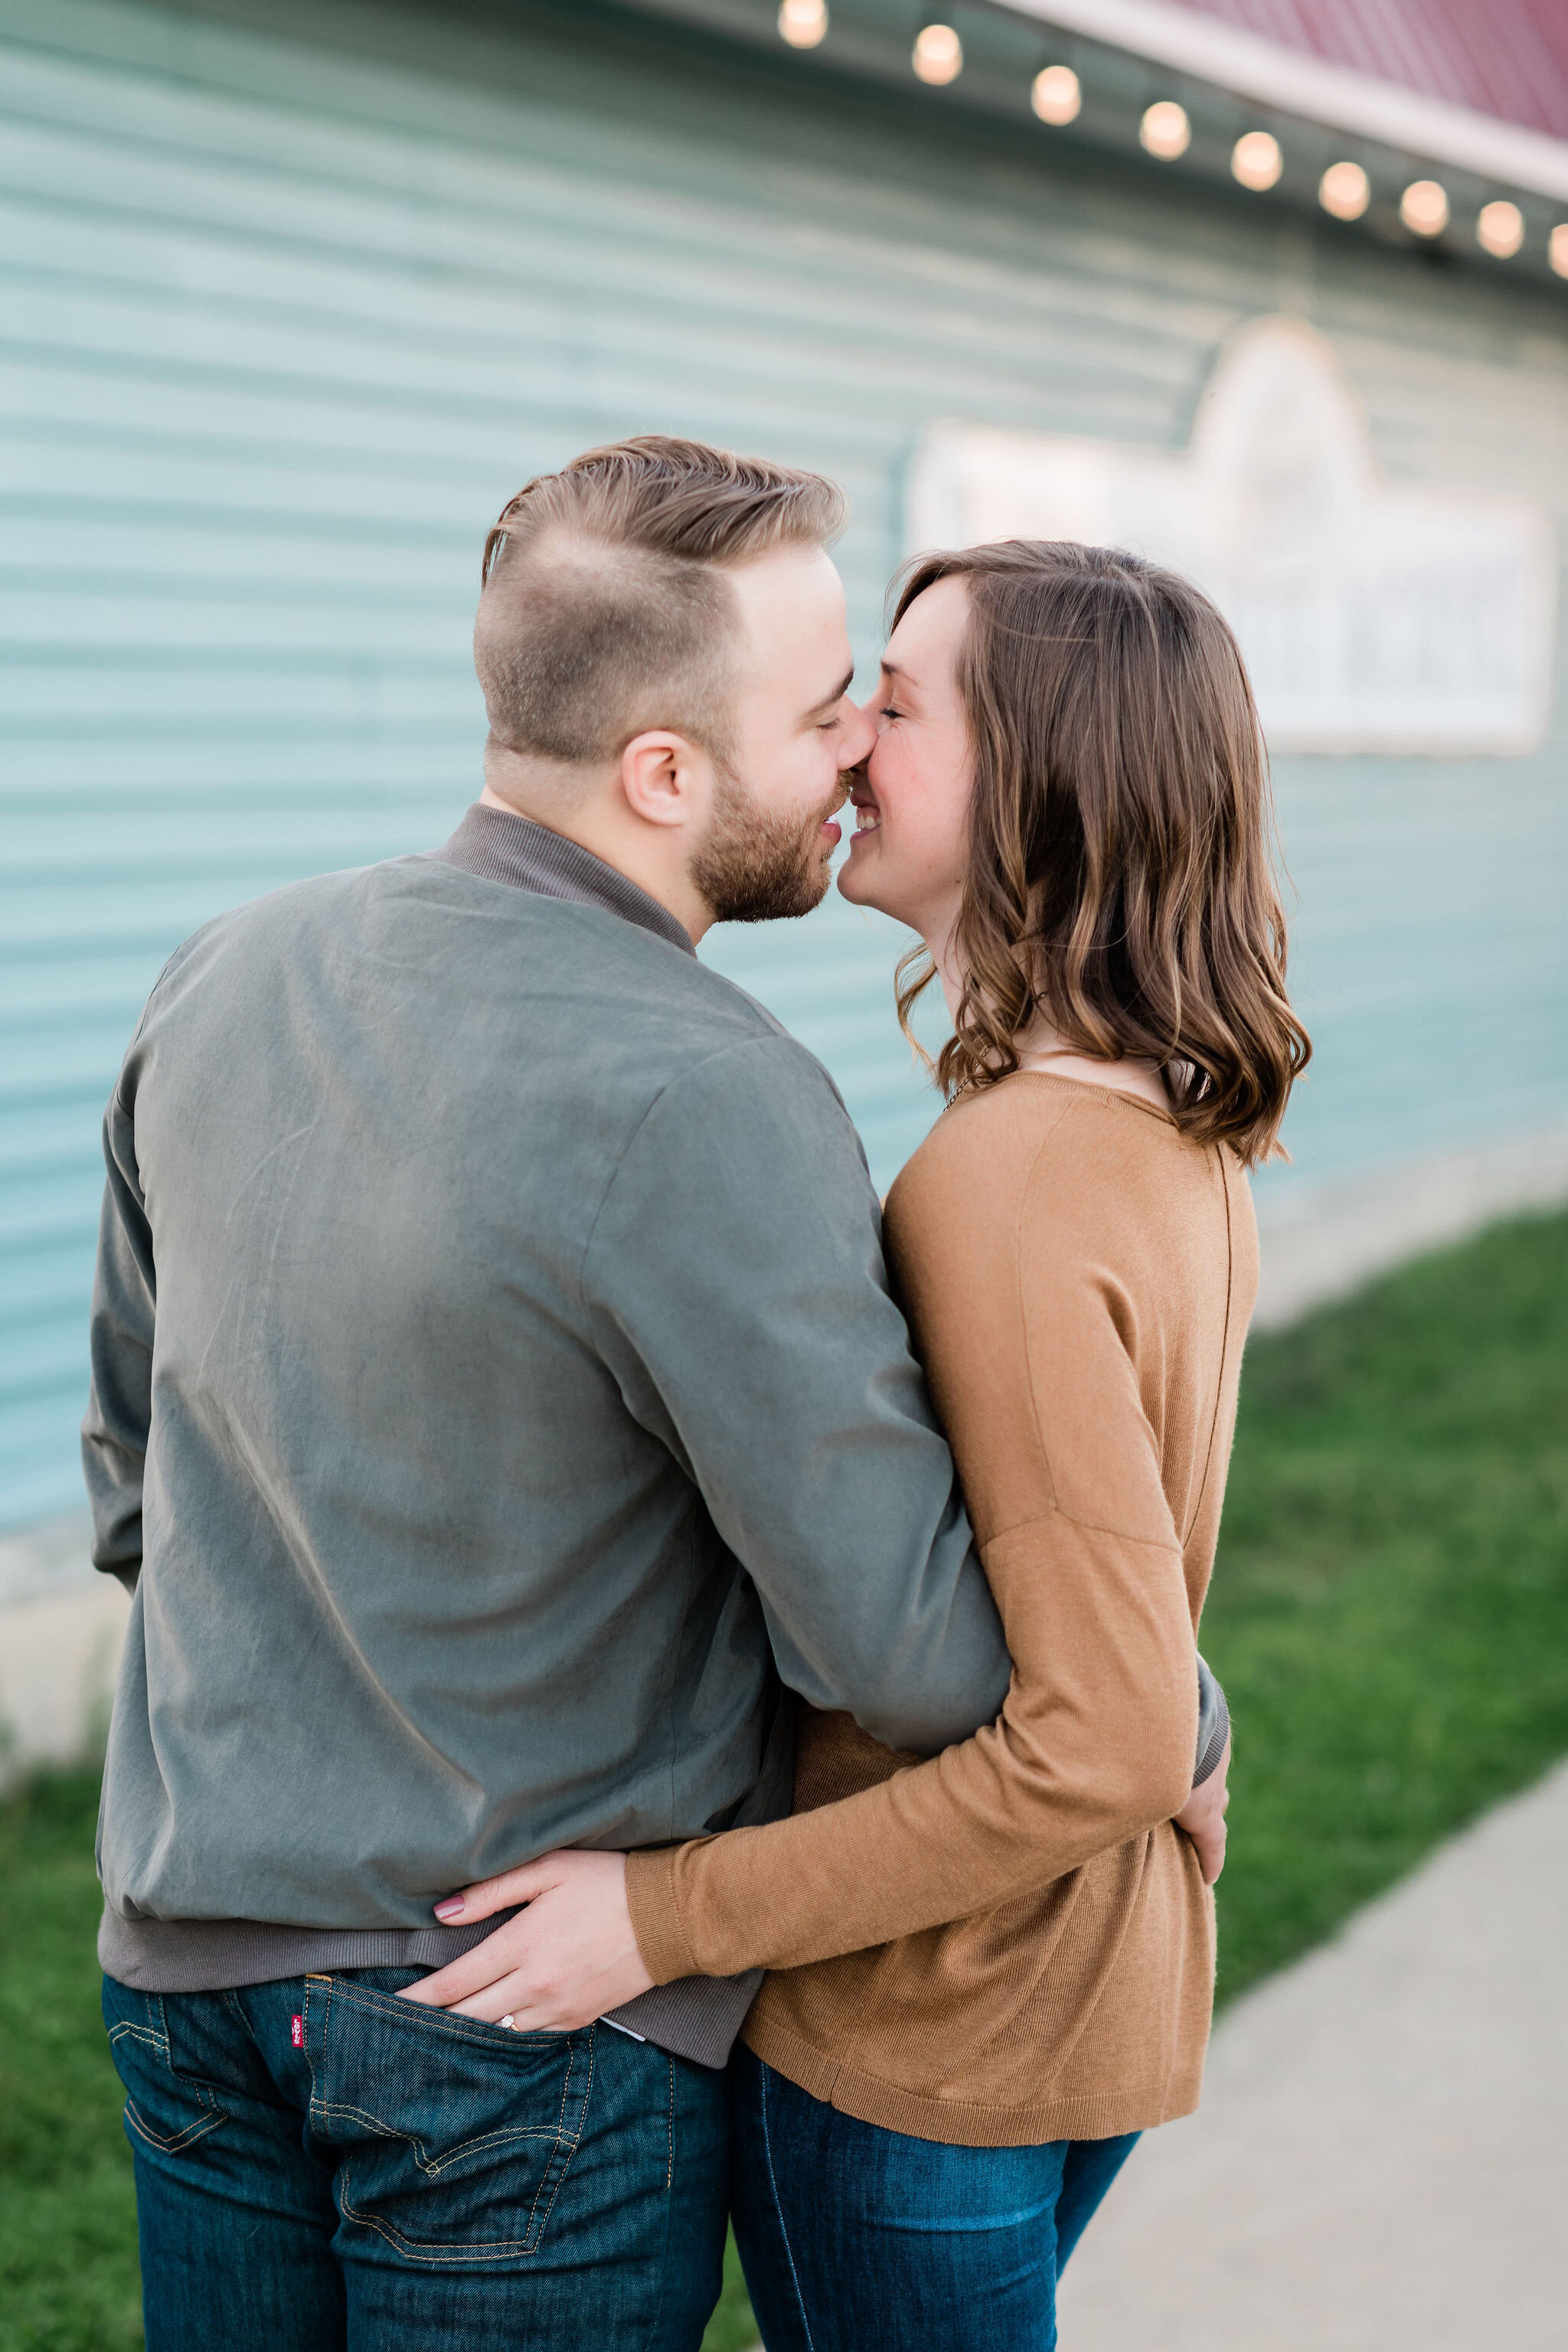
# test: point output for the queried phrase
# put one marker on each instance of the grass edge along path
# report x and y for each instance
(1389, 1611)
(1389, 1615)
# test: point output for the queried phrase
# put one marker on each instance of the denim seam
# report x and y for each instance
(305, 2042)
(656, 2333)
(778, 2208)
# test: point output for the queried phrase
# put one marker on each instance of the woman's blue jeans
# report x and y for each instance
(860, 2240)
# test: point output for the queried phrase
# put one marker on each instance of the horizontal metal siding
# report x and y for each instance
(282, 322)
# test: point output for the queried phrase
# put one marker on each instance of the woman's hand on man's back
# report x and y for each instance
(564, 1959)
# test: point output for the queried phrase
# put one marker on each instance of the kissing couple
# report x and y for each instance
(653, 1688)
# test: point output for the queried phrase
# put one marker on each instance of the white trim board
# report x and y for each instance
(1249, 66)
(1321, 1241)
(61, 1629)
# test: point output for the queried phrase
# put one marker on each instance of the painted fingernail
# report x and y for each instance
(452, 1908)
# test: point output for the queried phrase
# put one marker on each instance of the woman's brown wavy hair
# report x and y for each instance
(1121, 873)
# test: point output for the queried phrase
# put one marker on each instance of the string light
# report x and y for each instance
(1423, 208)
(939, 54)
(1056, 96)
(1499, 230)
(1345, 191)
(802, 23)
(1165, 131)
(1255, 160)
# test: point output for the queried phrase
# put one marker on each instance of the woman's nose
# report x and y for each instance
(860, 735)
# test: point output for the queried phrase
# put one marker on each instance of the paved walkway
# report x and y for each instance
(1380, 2163)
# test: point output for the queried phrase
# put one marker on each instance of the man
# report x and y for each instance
(493, 1373)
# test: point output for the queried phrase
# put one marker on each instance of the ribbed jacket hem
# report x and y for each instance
(656, 1915)
(695, 2017)
(219, 1955)
(960, 2123)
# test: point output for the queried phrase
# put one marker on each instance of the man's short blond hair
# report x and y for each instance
(604, 610)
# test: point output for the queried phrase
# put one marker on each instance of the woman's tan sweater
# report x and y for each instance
(1078, 1278)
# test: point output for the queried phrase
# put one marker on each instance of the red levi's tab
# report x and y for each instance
(297, 2032)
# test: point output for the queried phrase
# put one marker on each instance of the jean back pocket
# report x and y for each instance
(449, 2138)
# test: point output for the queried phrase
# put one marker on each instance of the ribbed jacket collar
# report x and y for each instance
(501, 846)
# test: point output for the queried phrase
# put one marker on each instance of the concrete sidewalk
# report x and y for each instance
(1380, 2163)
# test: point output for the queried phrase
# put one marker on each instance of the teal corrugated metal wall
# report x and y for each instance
(290, 301)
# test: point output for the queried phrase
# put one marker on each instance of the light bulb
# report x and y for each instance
(1165, 131)
(1255, 160)
(1499, 230)
(939, 54)
(1423, 207)
(1345, 191)
(802, 23)
(1056, 96)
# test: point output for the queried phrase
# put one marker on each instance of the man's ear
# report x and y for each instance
(665, 779)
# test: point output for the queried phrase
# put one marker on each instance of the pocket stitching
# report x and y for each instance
(435, 2166)
(443, 2020)
(127, 2033)
(154, 2036)
(494, 2250)
(154, 2032)
(181, 2140)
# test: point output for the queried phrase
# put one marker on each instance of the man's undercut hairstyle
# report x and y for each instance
(604, 610)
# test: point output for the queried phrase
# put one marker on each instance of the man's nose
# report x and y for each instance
(860, 735)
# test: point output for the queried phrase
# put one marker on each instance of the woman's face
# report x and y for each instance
(911, 845)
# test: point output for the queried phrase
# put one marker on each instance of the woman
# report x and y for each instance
(992, 1970)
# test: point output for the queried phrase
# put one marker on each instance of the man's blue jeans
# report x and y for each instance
(322, 2168)
(860, 2240)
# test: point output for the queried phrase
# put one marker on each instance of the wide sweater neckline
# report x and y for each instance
(1079, 1086)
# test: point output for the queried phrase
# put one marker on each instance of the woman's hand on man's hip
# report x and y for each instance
(564, 1960)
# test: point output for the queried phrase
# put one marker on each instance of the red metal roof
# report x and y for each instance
(1504, 57)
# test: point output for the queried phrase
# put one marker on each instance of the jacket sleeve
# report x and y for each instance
(1213, 1724)
(735, 1284)
(1094, 1744)
(120, 1396)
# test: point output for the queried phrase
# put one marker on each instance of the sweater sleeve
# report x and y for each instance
(1095, 1739)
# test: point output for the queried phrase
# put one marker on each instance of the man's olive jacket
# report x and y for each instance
(493, 1373)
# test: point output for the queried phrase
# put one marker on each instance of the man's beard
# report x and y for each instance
(758, 867)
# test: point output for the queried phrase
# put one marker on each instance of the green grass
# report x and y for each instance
(1389, 1611)
(67, 2214)
(1389, 1614)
